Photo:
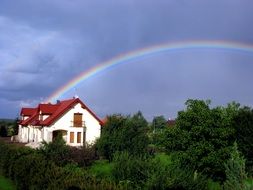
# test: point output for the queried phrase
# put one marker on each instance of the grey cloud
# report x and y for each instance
(44, 44)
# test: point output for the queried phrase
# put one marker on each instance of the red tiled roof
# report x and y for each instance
(171, 122)
(31, 118)
(55, 111)
(28, 111)
(47, 109)
(104, 120)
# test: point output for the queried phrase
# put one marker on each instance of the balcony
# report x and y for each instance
(79, 124)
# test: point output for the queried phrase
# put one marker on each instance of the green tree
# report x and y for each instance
(156, 134)
(244, 135)
(122, 133)
(158, 123)
(235, 171)
(15, 126)
(3, 131)
(202, 137)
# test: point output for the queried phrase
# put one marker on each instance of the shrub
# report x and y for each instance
(57, 151)
(32, 170)
(3, 131)
(102, 169)
(159, 174)
(9, 154)
(235, 171)
(122, 133)
(130, 168)
(84, 156)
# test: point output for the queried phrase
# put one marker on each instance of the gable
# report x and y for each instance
(53, 112)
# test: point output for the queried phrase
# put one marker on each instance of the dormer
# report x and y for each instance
(43, 116)
(26, 113)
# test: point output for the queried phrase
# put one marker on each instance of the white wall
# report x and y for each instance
(64, 123)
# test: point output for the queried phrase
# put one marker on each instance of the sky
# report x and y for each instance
(46, 43)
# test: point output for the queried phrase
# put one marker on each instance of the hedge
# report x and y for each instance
(31, 170)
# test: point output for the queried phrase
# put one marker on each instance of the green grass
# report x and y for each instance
(102, 169)
(6, 184)
(163, 158)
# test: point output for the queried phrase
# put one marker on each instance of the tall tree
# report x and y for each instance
(159, 122)
(122, 133)
(203, 137)
(244, 135)
(235, 171)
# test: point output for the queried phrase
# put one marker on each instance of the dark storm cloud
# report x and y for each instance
(43, 44)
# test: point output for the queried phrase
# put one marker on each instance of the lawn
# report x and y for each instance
(103, 168)
(6, 184)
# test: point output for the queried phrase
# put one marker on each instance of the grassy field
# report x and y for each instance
(6, 184)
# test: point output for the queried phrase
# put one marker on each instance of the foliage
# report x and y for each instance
(11, 126)
(32, 170)
(159, 172)
(244, 135)
(203, 137)
(3, 131)
(15, 127)
(84, 156)
(102, 169)
(158, 123)
(130, 168)
(122, 133)
(235, 171)
(187, 179)
(57, 151)
(214, 185)
(6, 184)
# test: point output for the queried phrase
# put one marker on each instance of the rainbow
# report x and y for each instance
(140, 53)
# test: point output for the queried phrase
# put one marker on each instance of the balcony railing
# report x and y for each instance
(77, 124)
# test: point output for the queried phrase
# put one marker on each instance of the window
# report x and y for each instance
(79, 137)
(78, 119)
(71, 140)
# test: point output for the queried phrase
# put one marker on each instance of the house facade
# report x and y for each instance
(71, 119)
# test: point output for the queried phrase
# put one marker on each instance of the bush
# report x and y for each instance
(3, 131)
(159, 174)
(102, 169)
(130, 168)
(30, 169)
(57, 151)
(9, 154)
(123, 134)
(84, 156)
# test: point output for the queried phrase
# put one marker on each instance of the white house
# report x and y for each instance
(71, 118)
